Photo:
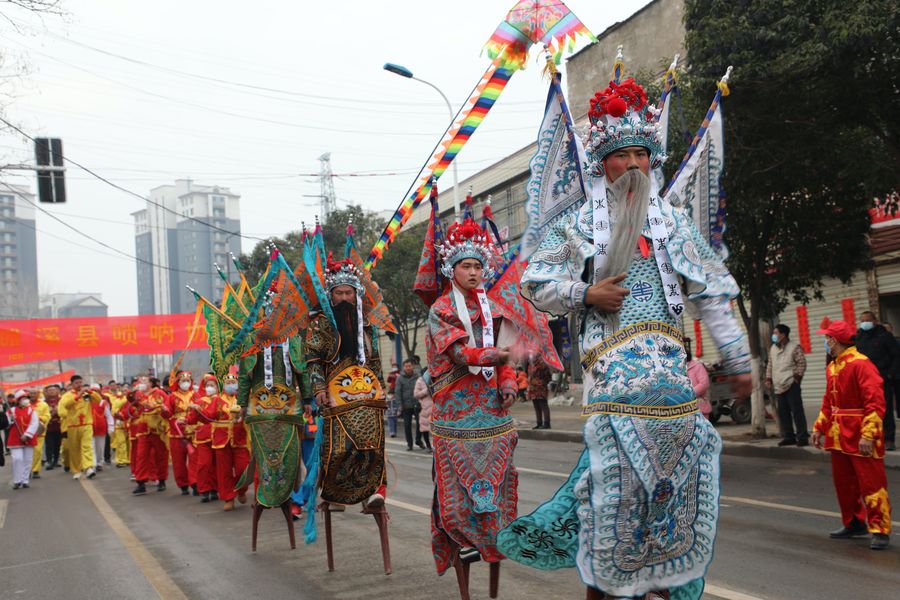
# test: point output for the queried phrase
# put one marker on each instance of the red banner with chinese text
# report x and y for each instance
(61, 378)
(37, 340)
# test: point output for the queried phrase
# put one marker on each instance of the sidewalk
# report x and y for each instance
(567, 423)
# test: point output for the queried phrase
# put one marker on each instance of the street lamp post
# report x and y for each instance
(404, 72)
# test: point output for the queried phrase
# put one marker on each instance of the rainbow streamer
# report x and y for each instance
(479, 104)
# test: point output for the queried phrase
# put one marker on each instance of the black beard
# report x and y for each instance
(347, 324)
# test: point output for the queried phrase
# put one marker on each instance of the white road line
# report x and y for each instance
(715, 590)
(721, 592)
(787, 507)
(3, 505)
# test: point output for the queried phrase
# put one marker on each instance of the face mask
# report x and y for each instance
(142, 387)
(211, 390)
(184, 385)
(774, 339)
(231, 388)
(827, 348)
(866, 325)
(24, 402)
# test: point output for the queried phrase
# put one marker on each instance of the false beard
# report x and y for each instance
(347, 324)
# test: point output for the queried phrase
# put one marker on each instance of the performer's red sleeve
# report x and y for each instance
(507, 378)
(823, 422)
(871, 390)
(473, 357)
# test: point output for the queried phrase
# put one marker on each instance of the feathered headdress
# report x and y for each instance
(467, 240)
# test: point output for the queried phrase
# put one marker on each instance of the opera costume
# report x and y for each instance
(474, 434)
(76, 413)
(177, 405)
(638, 513)
(345, 371)
(853, 410)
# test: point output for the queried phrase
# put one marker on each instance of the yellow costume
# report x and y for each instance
(43, 412)
(76, 416)
(120, 443)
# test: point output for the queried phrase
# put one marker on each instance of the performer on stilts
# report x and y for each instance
(472, 386)
(638, 514)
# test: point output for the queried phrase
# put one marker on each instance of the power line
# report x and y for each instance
(95, 240)
(135, 194)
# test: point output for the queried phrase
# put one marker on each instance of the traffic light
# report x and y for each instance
(50, 170)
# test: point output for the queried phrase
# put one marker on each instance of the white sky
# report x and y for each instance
(142, 126)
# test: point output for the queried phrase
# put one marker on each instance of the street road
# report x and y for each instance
(92, 539)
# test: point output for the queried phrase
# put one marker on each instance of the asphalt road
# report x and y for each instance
(73, 540)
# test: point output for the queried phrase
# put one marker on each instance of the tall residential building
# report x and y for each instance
(179, 248)
(18, 253)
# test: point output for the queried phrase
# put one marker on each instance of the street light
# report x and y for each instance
(404, 72)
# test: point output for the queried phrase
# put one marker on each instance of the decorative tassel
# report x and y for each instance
(308, 489)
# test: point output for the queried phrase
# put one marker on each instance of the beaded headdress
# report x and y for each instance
(467, 240)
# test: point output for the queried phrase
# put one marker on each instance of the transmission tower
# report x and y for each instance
(326, 182)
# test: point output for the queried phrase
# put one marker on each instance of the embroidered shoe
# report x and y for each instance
(375, 501)
(469, 555)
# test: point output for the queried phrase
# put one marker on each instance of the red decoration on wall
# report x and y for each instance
(698, 339)
(849, 311)
(803, 329)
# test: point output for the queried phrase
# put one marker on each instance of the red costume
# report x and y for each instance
(853, 409)
(199, 416)
(150, 457)
(177, 409)
(230, 445)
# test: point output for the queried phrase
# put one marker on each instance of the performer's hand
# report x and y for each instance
(817, 438)
(607, 295)
(741, 385)
(768, 382)
(307, 410)
(503, 355)
(322, 399)
(508, 400)
(866, 446)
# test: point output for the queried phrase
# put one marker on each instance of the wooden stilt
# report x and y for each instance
(257, 513)
(381, 519)
(326, 508)
(494, 582)
(286, 510)
(462, 576)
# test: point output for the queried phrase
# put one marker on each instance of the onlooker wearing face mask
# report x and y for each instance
(23, 420)
(879, 345)
(787, 365)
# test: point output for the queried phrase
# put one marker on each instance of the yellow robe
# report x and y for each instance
(75, 412)
(43, 411)
(120, 442)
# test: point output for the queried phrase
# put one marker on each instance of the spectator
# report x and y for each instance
(787, 365)
(7, 404)
(522, 382)
(699, 377)
(875, 342)
(4, 425)
(53, 437)
(426, 405)
(539, 376)
(393, 410)
(23, 429)
(404, 390)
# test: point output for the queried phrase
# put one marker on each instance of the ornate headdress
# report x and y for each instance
(185, 376)
(232, 375)
(342, 272)
(467, 240)
(620, 117)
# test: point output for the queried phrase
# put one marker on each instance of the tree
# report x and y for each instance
(811, 139)
(395, 274)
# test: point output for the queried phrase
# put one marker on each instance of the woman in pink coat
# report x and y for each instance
(426, 405)
(697, 373)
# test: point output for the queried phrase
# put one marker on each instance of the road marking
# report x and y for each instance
(149, 566)
(3, 505)
(715, 590)
(47, 560)
(721, 592)
(407, 506)
(787, 507)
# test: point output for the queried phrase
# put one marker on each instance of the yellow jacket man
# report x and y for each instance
(75, 412)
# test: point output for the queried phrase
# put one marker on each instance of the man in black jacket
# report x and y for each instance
(403, 390)
(879, 345)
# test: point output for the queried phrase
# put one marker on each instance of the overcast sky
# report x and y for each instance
(103, 79)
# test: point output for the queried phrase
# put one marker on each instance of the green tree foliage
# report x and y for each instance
(811, 136)
(395, 274)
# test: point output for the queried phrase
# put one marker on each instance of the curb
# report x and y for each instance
(729, 447)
